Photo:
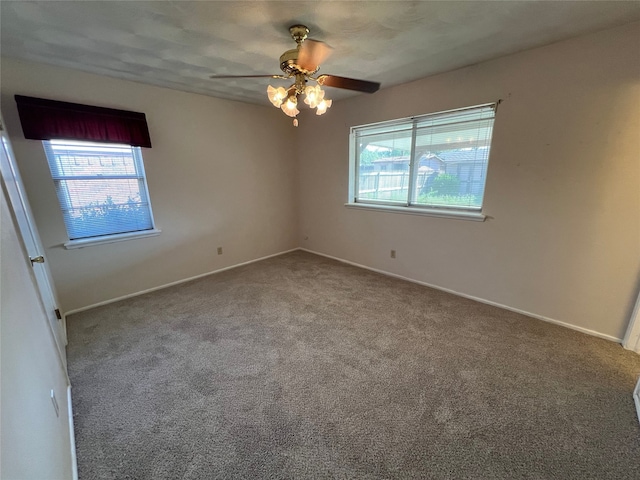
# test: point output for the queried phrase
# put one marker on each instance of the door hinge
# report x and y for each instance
(58, 314)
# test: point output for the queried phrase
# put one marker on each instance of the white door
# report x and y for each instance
(31, 239)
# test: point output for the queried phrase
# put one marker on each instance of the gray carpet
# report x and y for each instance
(302, 367)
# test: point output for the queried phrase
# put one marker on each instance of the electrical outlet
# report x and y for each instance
(219, 250)
(393, 254)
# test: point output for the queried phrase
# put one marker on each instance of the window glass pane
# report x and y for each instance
(438, 160)
(383, 166)
(101, 188)
(452, 162)
(452, 178)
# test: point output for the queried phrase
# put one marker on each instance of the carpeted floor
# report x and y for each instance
(303, 367)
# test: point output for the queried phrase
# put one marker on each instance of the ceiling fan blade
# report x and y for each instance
(246, 76)
(312, 54)
(348, 83)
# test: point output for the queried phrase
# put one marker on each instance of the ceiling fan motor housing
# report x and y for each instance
(289, 59)
(289, 62)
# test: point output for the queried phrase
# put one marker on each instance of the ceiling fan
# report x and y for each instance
(301, 65)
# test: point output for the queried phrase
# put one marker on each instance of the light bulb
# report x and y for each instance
(276, 95)
(322, 106)
(313, 96)
(290, 106)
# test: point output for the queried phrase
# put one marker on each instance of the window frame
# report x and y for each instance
(140, 176)
(412, 125)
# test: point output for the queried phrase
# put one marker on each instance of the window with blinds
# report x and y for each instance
(101, 188)
(437, 161)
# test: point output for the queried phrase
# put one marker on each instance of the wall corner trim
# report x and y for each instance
(631, 339)
(72, 436)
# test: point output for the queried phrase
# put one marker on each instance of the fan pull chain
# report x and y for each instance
(295, 122)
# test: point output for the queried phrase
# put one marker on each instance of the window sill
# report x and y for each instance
(429, 212)
(121, 237)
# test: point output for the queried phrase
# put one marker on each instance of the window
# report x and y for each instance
(102, 190)
(97, 168)
(432, 164)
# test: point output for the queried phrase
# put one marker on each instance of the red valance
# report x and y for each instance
(50, 119)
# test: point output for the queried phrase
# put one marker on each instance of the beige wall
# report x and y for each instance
(563, 237)
(35, 442)
(218, 175)
(563, 189)
(563, 196)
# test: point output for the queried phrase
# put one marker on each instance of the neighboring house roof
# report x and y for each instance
(430, 161)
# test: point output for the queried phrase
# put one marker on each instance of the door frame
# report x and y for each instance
(631, 340)
(19, 205)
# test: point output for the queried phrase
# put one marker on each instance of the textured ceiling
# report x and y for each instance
(178, 44)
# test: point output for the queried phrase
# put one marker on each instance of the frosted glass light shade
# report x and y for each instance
(290, 106)
(322, 106)
(276, 95)
(313, 95)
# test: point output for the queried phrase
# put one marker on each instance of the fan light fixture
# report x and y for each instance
(301, 64)
(287, 99)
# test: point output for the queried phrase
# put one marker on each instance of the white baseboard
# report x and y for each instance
(177, 282)
(636, 398)
(383, 272)
(477, 299)
(636, 393)
(72, 436)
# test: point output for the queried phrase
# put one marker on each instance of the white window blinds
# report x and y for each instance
(101, 188)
